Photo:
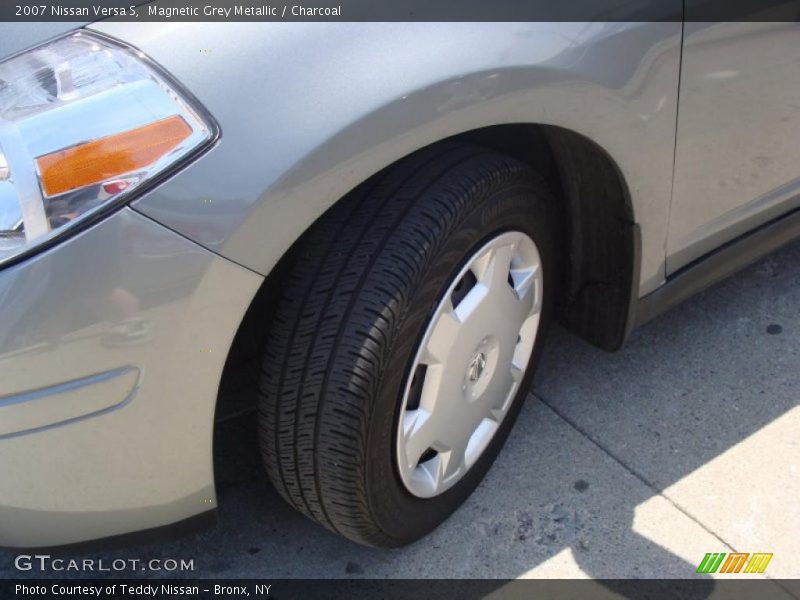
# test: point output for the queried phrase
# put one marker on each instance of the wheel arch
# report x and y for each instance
(600, 241)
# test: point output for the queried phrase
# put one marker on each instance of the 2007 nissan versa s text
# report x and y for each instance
(383, 217)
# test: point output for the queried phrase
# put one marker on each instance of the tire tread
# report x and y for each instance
(335, 321)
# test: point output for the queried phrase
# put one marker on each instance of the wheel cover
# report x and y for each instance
(470, 364)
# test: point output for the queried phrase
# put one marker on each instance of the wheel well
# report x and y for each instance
(600, 243)
(599, 237)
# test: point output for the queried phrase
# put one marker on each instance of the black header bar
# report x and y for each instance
(401, 10)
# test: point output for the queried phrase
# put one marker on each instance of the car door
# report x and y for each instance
(737, 155)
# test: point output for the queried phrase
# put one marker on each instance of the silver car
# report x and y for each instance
(360, 233)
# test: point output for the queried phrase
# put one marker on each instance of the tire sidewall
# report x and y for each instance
(521, 203)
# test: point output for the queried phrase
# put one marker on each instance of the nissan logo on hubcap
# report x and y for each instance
(476, 367)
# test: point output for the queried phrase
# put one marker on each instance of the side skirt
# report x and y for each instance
(717, 265)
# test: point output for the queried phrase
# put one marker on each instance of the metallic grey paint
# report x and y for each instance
(108, 455)
(319, 107)
(738, 134)
(112, 342)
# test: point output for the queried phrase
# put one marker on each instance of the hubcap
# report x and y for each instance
(469, 364)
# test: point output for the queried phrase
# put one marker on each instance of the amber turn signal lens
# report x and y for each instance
(96, 161)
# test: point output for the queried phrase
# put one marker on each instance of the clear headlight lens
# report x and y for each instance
(84, 122)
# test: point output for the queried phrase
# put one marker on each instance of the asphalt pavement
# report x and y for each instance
(633, 464)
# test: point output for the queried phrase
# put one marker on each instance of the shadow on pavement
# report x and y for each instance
(611, 432)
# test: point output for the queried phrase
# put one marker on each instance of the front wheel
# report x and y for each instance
(405, 341)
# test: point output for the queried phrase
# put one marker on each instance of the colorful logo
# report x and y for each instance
(755, 563)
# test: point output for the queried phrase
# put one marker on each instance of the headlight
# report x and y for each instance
(84, 123)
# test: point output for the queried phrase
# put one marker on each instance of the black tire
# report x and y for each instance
(355, 301)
